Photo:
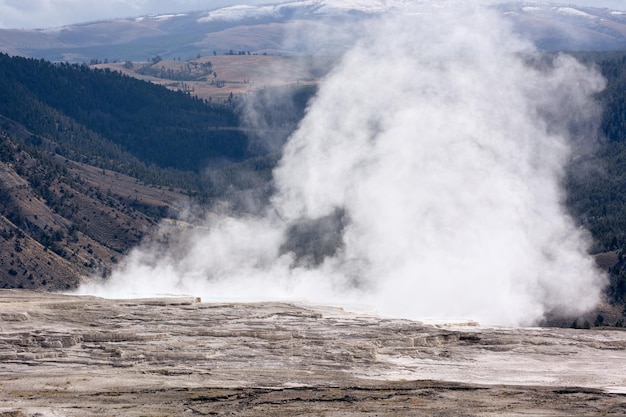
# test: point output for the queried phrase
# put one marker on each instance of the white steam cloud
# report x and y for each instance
(424, 181)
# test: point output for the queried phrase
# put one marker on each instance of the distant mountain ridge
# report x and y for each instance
(265, 29)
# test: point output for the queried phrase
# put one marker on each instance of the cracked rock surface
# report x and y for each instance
(66, 355)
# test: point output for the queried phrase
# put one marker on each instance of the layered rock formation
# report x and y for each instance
(84, 356)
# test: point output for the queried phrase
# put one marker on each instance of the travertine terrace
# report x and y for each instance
(66, 355)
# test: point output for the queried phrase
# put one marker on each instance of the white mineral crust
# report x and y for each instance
(86, 356)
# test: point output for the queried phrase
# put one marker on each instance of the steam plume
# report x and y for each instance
(424, 181)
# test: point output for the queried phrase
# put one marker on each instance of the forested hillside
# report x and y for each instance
(103, 115)
(596, 182)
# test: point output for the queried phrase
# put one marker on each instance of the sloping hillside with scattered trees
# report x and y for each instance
(91, 160)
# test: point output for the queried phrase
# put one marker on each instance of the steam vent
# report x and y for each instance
(86, 356)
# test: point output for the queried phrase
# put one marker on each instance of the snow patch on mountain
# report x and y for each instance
(574, 12)
(164, 17)
(241, 12)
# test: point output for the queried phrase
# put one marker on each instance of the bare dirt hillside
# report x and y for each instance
(61, 220)
(85, 356)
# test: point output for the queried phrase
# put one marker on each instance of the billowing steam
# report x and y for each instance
(424, 181)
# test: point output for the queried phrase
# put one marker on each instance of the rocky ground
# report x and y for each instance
(84, 356)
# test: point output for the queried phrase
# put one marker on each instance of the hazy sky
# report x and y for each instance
(50, 13)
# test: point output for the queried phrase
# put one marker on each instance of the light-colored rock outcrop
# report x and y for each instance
(85, 356)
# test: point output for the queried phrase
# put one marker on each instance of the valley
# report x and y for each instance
(95, 159)
(88, 198)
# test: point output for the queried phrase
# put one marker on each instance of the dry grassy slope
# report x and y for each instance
(83, 228)
(25, 263)
(236, 74)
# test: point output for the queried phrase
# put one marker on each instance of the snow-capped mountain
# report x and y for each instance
(562, 27)
(284, 28)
